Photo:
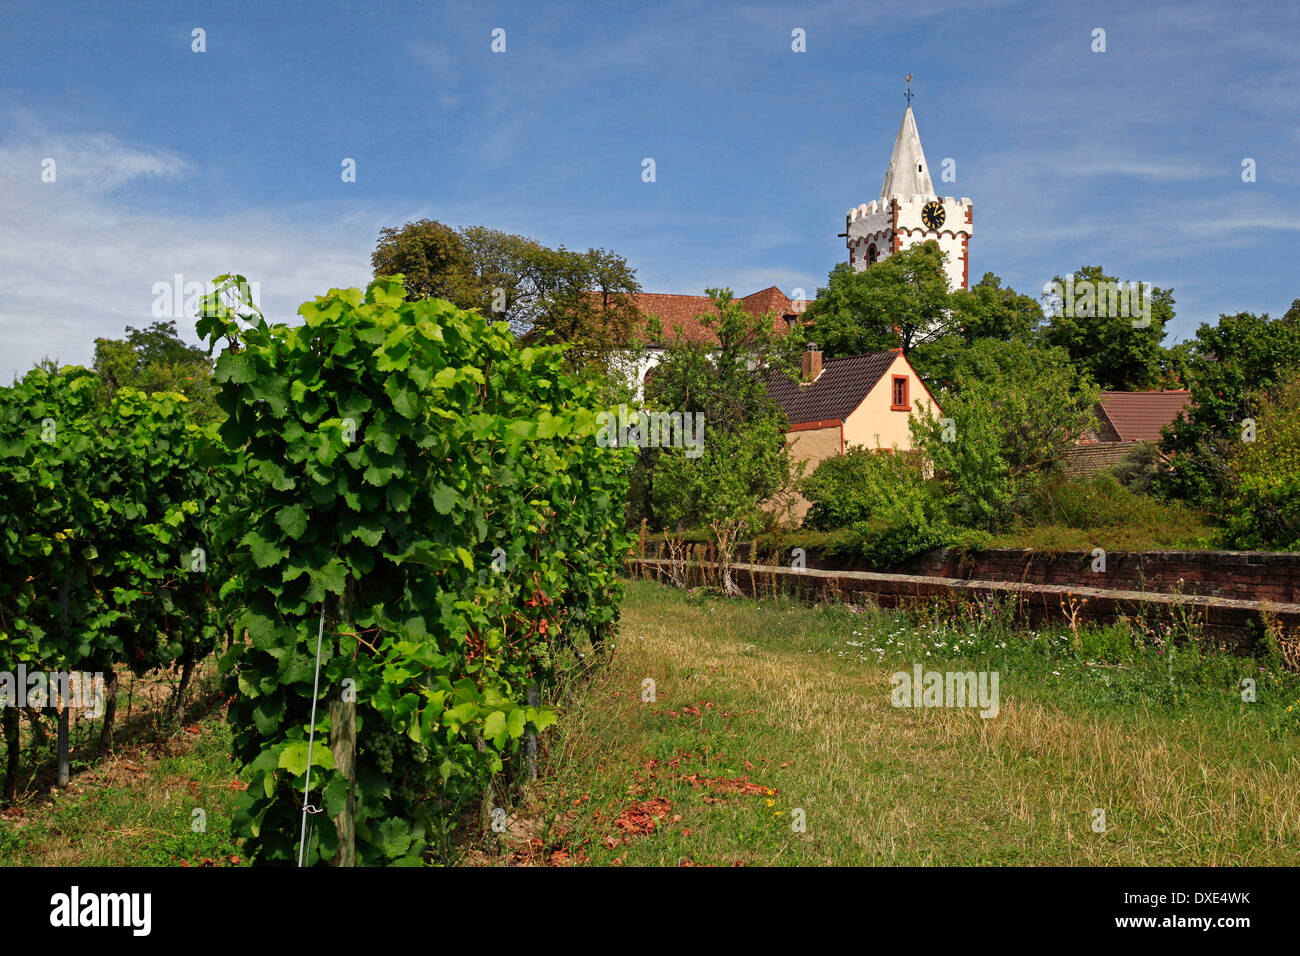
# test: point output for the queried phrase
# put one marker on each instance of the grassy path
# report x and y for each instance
(765, 709)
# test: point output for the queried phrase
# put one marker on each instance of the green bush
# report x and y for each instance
(893, 509)
(1093, 501)
(857, 485)
(1140, 468)
(1264, 510)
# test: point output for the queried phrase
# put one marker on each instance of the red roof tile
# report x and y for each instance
(684, 311)
(1139, 416)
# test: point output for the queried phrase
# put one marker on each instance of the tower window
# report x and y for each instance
(871, 254)
(918, 167)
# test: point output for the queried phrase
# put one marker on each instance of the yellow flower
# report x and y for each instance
(772, 803)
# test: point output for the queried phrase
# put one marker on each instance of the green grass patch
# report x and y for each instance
(766, 708)
(134, 806)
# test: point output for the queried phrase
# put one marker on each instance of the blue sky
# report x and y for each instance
(170, 161)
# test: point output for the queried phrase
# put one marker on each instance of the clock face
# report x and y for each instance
(932, 214)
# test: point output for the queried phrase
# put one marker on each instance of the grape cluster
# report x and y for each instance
(383, 748)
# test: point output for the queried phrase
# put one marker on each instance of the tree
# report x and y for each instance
(902, 301)
(1231, 364)
(989, 310)
(1007, 424)
(716, 377)
(586, 300)
(744, 460)
(157, 359)
(434, 260)
(506, 270)
(1264, 511)
(1103, 342)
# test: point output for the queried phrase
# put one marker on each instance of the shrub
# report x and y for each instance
(895, 511)
(1140, 467)
(1264, 510)
(1093, 501)
(1065, 513)
(856, 485)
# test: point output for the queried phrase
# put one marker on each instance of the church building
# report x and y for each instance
(865, 400)
(909, 212)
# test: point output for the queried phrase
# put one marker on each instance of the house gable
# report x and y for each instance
(877, 421)
(837, 391)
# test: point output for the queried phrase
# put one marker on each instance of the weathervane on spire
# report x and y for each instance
(908, 94)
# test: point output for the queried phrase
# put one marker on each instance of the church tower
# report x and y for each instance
(909, 212)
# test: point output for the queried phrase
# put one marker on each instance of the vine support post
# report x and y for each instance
(12, 751)
(61, 687)
(530, 743)
(64, 770)
(187, 672)
(343, 742)
(110, 710)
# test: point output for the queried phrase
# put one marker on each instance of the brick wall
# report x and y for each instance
(1227, 624)
(1239, 575)
(1090, 459)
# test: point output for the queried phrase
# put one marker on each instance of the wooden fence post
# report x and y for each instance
(9, 718)
(343, 742)
(60, 687)
(64, 769)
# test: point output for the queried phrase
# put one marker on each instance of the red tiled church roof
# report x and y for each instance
(1139, 416)
(684, 311)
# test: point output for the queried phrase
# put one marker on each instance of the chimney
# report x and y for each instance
(812, 362)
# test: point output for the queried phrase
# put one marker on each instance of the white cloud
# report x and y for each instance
(77, 261)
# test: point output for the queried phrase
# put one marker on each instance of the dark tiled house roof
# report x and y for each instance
(683, 310)
(1138, 416)
(837, 391)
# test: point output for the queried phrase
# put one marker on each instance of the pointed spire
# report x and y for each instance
(908, 173)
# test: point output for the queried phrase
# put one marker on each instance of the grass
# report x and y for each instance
(135, 806)
(795, 701)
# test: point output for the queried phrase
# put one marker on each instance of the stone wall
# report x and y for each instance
(1225, 623)
(1239, 575)
(1090, 459)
